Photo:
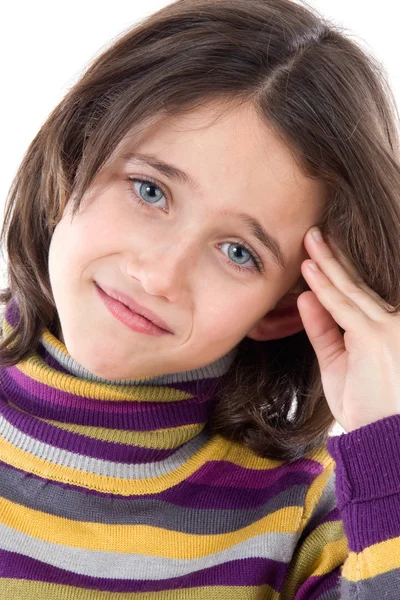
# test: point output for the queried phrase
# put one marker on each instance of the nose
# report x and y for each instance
(164, 267)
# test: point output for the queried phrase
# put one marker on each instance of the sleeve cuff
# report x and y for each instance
(367, 461)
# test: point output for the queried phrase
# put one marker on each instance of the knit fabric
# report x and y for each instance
(120, 490)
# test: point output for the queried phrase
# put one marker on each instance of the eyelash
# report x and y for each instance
(259, 265)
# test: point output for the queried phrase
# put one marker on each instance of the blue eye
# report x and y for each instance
(238, 254)
(146, 188)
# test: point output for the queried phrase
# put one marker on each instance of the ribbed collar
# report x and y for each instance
(138, 420)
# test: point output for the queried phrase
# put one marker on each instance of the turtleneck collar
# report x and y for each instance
(61, 356)
(141, 420)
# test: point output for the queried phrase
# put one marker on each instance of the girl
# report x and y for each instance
(171, 365)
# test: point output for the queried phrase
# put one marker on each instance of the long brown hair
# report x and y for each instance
(327, 99)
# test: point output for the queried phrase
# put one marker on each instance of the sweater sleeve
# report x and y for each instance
(349, 548)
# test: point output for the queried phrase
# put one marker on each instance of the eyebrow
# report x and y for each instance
(266, 239)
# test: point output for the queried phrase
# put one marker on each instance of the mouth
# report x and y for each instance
(124, 308)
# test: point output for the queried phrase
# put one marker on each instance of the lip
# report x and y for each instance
(135, 307)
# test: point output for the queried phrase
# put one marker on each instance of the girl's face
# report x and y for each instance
(178, 249)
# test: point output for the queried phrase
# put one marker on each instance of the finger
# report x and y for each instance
(344, 311)
(343, 277)
(321, 329)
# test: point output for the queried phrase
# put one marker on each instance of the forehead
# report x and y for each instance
(232, 148)
(224, 138)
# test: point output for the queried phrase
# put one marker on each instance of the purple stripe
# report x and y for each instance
(16, 380)
(79, 443)
(129, 414)
(12, 313)
(203, 496)
(332, 515)
(245, 572)
(225, 474)
(206, 496)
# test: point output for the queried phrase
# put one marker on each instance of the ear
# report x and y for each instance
(282, 321)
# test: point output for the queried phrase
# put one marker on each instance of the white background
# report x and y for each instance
(45, 46)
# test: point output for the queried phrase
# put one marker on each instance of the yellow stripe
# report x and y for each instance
(32, 590)
(322, 552)
(138, 539)
(114, 485)
(155, 439)
(333, 552)
(36, 368)
(314, 494)
(374, 560)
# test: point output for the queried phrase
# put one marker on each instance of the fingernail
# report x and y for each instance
(317, 235)
(313, 266)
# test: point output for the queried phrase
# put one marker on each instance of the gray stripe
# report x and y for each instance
(79, 506)
(384, 586)
(333, 593)
(213, 369)
(96, 466)
(119, 565)
(327, 502)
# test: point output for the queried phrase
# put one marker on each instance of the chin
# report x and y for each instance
(107, 360)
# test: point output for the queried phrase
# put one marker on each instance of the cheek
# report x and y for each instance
(74, 245)
(231, 311)
(57, 252)
(68, 256)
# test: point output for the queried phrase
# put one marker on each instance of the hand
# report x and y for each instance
(360, 370)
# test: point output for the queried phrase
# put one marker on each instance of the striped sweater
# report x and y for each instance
(120, 490)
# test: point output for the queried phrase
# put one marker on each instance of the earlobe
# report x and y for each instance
(284, 320)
